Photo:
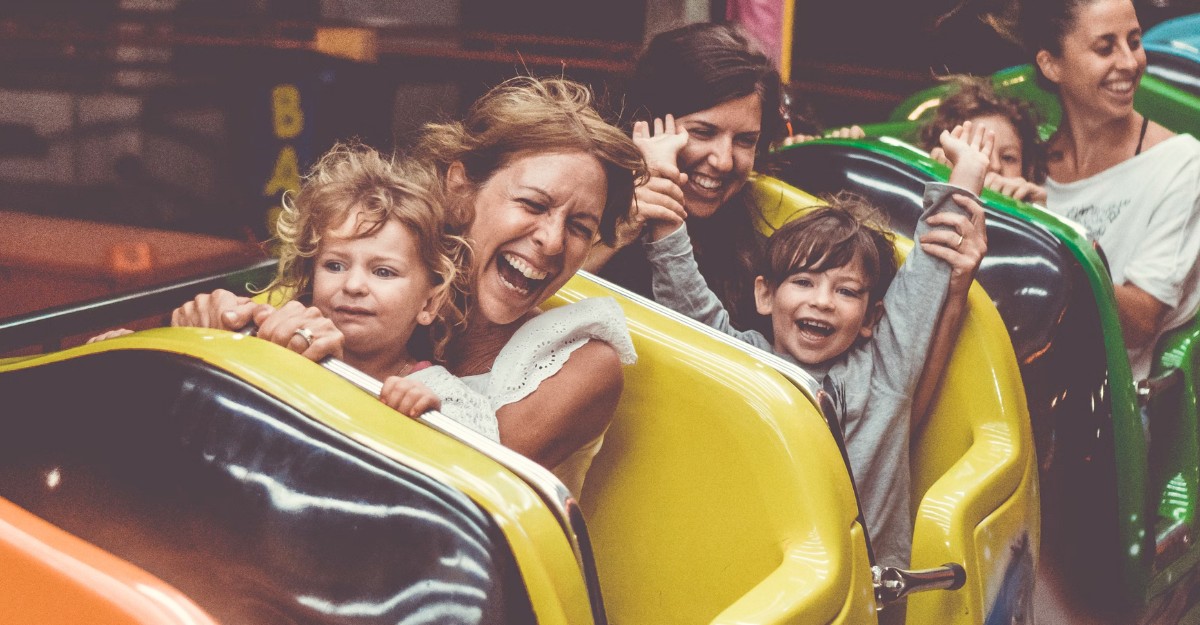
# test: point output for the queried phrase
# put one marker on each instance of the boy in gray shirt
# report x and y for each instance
(836, 311)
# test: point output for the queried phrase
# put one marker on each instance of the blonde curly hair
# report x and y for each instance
(353, 177)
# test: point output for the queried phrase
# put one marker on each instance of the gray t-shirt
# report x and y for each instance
(874, 380)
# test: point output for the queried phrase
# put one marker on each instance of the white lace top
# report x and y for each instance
(535, 352)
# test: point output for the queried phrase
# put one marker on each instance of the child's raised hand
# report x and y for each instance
(661, 148)
(968, 147)
(302, 329)
(408, 396)
(658, 205)
(959, 240)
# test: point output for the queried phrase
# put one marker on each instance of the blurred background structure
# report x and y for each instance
(193, 116)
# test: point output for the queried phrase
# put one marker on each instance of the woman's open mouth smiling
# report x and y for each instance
(706, 184)
(519, 275)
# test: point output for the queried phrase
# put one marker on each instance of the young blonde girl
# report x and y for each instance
(364, 251)
(370, 269)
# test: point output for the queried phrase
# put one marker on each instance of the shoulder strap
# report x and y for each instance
(1142, 136)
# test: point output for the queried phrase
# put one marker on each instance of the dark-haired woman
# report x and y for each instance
(1132, 183)
(725, 94)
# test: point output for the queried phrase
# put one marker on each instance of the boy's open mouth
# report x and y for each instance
(518, 275)
(819, 328)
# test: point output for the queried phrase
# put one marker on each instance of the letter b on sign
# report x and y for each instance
(285, 103)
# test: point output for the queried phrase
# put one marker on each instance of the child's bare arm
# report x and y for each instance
(969, 148)
(408, 396)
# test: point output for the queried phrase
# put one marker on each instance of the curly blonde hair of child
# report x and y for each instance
(351, 178)
(526, 115)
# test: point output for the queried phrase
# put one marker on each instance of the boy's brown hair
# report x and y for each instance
(828, 237)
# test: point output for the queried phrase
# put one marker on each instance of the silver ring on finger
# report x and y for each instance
(305, 334)
(960, 240)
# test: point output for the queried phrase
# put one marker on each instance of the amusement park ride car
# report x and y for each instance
(194, 476)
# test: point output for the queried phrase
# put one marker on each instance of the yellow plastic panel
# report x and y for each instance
(719, 495)
(974, 461)
(545, 558)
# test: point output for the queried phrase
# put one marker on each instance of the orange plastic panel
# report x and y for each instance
(51, 577)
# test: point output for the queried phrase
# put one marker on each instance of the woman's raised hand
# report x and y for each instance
(302, 329)
(661, 148)
(658, 204)
(959, 240)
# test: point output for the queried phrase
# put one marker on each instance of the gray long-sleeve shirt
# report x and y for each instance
(875, 379)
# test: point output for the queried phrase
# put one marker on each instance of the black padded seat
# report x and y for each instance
(259, 514)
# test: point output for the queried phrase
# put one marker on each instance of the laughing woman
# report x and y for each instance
(534, 177)
(1132, 183)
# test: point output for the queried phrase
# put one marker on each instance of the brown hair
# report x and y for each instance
(1036, 25)
(694, 68)
(971, 97)
(828, 237)
(527, 114)
(352, 177)
(703, 65)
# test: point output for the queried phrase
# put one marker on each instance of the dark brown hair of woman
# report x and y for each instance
(692, 69)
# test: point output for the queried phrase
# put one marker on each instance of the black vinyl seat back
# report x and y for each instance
(256, 512)
(1046, 301)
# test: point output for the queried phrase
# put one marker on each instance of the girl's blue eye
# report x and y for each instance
(383, 272)
(333, 265)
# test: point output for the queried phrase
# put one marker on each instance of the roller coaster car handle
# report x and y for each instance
(1150, 388)
(893, 584)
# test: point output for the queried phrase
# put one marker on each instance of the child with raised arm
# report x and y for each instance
(827, 285)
